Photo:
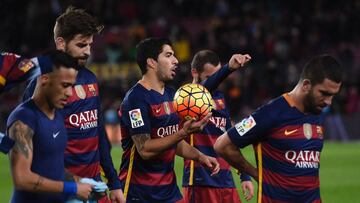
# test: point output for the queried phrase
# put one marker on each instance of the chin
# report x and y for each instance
(317, 111)
(59, 106)
(82, 62)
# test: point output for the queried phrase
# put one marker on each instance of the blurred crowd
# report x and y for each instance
(279, 35)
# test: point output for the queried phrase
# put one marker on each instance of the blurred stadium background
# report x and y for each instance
(279, 35)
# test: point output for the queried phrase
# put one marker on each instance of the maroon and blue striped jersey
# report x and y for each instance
(146, 111)
(288, 144)
(194, 173)
(88, 148)
(15, 69)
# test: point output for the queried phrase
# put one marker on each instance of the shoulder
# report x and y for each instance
(274, 106)
(137, 92)
(25, 112)
(85, 76)
(26, 109)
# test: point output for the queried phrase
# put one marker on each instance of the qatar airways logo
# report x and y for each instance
(303, 158)
(167, 130)
(84, 120)
(219, 122)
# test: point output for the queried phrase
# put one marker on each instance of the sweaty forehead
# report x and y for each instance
(82, 39)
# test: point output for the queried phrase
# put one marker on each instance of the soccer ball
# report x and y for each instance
(192, 101)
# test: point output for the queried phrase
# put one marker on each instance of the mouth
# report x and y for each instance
(63, 102)
(82, 60)
(173, 70)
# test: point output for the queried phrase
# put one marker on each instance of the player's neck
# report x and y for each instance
(44, 105)
(297, 98)
(152, 82)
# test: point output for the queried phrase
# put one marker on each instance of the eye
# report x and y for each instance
(326, 94)
(81, 45)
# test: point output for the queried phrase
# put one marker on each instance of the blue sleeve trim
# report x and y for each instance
(244, 177)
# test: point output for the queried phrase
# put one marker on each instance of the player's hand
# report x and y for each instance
(248, 189)
(192, 126)
(238, 60)
(117, 196)
(210, 162)
(83, 190)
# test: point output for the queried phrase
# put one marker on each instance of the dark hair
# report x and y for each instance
(54, 59)
(203, 57)
(149, 48)
(321, 67)
(76, 21)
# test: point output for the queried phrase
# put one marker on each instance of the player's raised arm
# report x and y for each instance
(21, 159)
(236, 62)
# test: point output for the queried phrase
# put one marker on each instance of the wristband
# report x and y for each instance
(245, 177)
(70, 188)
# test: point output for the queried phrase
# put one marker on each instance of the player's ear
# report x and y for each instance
(60, 43)
(151, 62)
(195, 75)
(306, 85)
(44, 79)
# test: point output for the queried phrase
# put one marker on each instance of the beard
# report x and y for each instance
(310, 104)
(80, 59)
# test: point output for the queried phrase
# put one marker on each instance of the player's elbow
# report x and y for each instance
(21, 182)
(146, 155)
(219, 145)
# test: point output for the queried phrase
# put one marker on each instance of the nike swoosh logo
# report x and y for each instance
(158, 110)
(56, 134)
(290, 132)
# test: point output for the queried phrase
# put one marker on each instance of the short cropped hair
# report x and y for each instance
(54, 59)
(74, 22)
(149, 48)
(203, 57)
(321, 67)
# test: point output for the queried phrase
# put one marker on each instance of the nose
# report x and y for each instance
(175, 60)
(328, 100)
(87, 50)
(68, 92)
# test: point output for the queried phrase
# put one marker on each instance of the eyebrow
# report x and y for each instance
(327, 93)
(82, 44)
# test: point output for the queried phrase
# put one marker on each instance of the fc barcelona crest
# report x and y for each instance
(92, 89)
(25, 65)
(221, 104)
(214, 105)
(80, 92)
(307, 130)
(319, 131)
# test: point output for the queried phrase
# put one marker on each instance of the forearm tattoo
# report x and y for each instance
(22, 135)
(140, 140)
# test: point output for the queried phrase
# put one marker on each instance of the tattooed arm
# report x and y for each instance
(148, 148)
(21, 159)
